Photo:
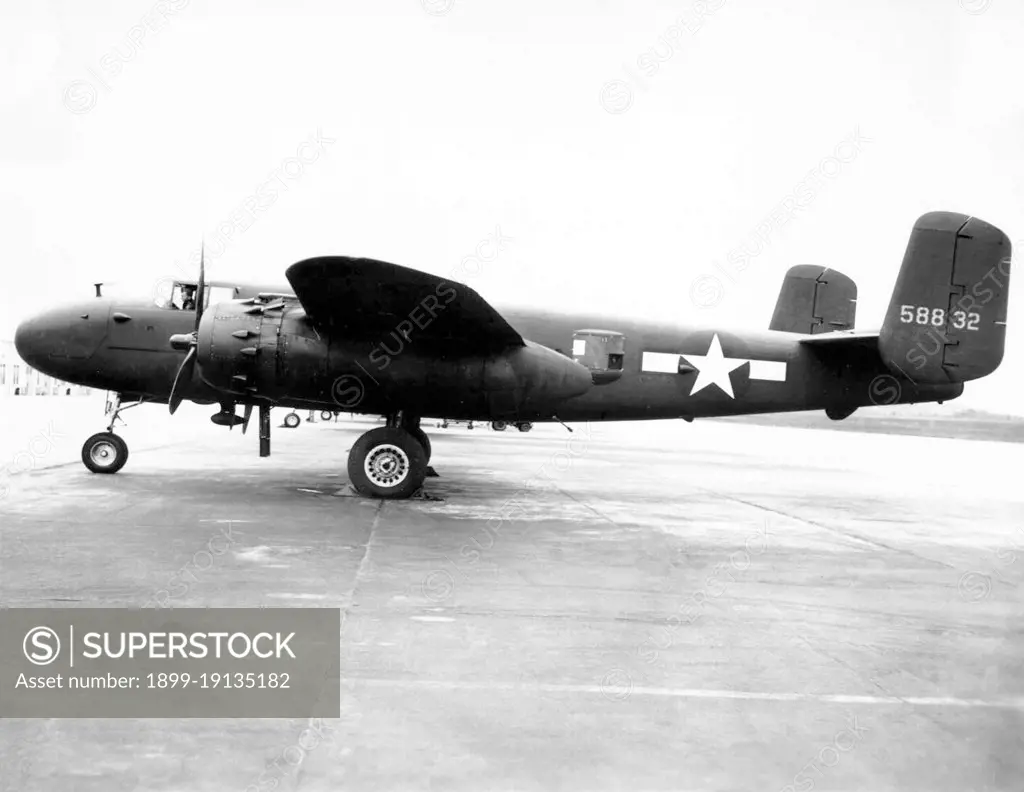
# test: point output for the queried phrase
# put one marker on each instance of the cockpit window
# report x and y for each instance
(187, 297)
(176, 295)
(182, 295)
(162, 293)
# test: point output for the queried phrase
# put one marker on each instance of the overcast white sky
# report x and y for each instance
(619, 177)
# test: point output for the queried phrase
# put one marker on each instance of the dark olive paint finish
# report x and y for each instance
(366, 336)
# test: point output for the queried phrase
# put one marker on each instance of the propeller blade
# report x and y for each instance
(245, 417)
(201, 289)
(181, 380)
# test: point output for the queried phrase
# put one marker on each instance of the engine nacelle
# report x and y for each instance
(251, 351)
(242, 346)
(522, 383)
(533, 378)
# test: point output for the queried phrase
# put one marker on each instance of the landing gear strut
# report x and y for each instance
(264, 430)
(390, 461)
(106, 452)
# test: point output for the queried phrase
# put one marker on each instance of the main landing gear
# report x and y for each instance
(106, 452)
(391, 461)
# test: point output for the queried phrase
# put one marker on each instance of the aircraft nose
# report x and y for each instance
(48, 340)
(28, 340)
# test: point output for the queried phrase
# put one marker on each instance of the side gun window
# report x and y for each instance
(599, 350)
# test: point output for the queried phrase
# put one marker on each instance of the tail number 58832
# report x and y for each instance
(936, 317)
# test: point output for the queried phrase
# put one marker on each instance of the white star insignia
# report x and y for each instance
(714, 368)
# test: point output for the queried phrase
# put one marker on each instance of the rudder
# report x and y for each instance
(815, 300)
(946, 320)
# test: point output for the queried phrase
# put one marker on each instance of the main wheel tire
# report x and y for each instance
(292, 419)
(499, 426)
(387, 463)
(423, 440)
(326, 415)
(104, 452)
(524, 426)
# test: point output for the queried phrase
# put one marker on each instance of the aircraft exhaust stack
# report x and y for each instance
(946, 322)
(182, 342)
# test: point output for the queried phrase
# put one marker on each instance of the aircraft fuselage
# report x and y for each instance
(666, 371)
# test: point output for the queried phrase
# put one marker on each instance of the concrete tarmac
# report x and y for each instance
(659, 606)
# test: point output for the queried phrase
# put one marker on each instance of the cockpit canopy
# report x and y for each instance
(180, 295)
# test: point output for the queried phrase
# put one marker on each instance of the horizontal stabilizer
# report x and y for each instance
(843, 339)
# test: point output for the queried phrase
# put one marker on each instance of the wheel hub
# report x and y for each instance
(103, 453)
(386, 465)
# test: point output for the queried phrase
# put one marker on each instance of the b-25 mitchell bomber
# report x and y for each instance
(375, 338)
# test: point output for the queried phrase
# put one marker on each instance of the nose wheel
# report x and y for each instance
(104, 452)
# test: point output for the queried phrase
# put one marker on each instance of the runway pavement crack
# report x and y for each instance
(870, 681)
(587, 506)
(845, 534)
(364, 561)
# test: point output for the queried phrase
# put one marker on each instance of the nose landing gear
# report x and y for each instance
(106, 452)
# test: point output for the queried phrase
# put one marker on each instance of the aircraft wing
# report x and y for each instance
(370, 300)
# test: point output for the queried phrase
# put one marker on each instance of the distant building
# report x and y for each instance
(17, 378)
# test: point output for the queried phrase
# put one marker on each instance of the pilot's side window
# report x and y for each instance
(183, 297)
(188, 297)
